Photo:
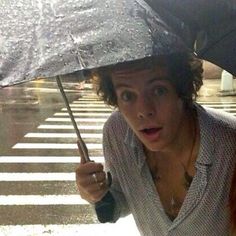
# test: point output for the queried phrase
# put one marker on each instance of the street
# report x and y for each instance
(38, 156)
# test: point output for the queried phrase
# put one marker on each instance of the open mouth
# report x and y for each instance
(150, 131)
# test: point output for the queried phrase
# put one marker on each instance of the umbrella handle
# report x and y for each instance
(80, 142)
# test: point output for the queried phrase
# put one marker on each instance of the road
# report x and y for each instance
(38, 195)
(38, 156)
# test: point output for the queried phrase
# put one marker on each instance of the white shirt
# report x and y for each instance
(204, 211)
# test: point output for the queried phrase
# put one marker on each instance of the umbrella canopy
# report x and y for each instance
(208, 27)
(46, 38)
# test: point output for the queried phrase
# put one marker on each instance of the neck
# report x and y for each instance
(187, 138)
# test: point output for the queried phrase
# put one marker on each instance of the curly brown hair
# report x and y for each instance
(185, 73)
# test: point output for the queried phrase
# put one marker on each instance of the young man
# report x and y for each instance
(171, 160)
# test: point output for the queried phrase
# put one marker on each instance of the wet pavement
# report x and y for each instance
(23, 107)
(38, 156)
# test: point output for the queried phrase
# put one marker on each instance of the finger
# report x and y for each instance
(95, 188)
(94, 177)
(98, 177)
(89, 168)
(86, 180)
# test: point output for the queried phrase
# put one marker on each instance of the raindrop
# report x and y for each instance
(166, 32)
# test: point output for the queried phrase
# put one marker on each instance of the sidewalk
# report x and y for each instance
(210, 91)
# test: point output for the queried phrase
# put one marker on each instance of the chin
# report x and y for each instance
(153, 147)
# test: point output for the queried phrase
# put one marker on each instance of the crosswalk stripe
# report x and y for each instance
(92, 127)
(63, 135)
(125, 226)
(221, 105)
(216, 102)
(88, 98)
(83, 114)
(42, 200)
(54, 146)
(88, 109)
(56, 119)
(59, 176)
(54, 90)
(47, 159)
(88, 105)
(86, 102)
(222, 108)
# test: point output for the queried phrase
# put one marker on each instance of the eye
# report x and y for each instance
(126, 96)
(160, 91)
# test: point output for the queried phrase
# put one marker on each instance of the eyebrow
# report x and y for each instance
(121, 85)
(163, 78)
(151, 81)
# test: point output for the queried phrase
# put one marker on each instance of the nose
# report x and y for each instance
(145, 108)
(142, 115)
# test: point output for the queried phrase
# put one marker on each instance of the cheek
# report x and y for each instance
(180, 104)
(127, 112)
(130, 117)
(178, 115)
(173, 114)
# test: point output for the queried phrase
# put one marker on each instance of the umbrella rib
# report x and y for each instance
(81, 144)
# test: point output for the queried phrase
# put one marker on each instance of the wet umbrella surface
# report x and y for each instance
(48, 38)
(54, 38)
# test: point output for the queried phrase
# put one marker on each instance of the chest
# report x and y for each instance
(204, 203)
(172, 183)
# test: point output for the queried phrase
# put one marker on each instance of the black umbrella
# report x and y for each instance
(43, 39)
(53, 38)
(207, 26)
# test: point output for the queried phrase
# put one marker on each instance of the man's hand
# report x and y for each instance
(91, 181)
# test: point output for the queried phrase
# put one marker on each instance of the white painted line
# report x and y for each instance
(229, 109)
(49, 90)
(215, 102)
(86, 127)
(47, 159)
(220, 105)
(42, 200)
(79, 114)
(83, 102)
(62, 135)
(90, 146)
(89, 98)
(124, 226)
(90, 105)
(224, 109)
(37, 176)
(88, 109)
(56, 119)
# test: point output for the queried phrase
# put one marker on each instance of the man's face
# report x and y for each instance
(150, 105)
